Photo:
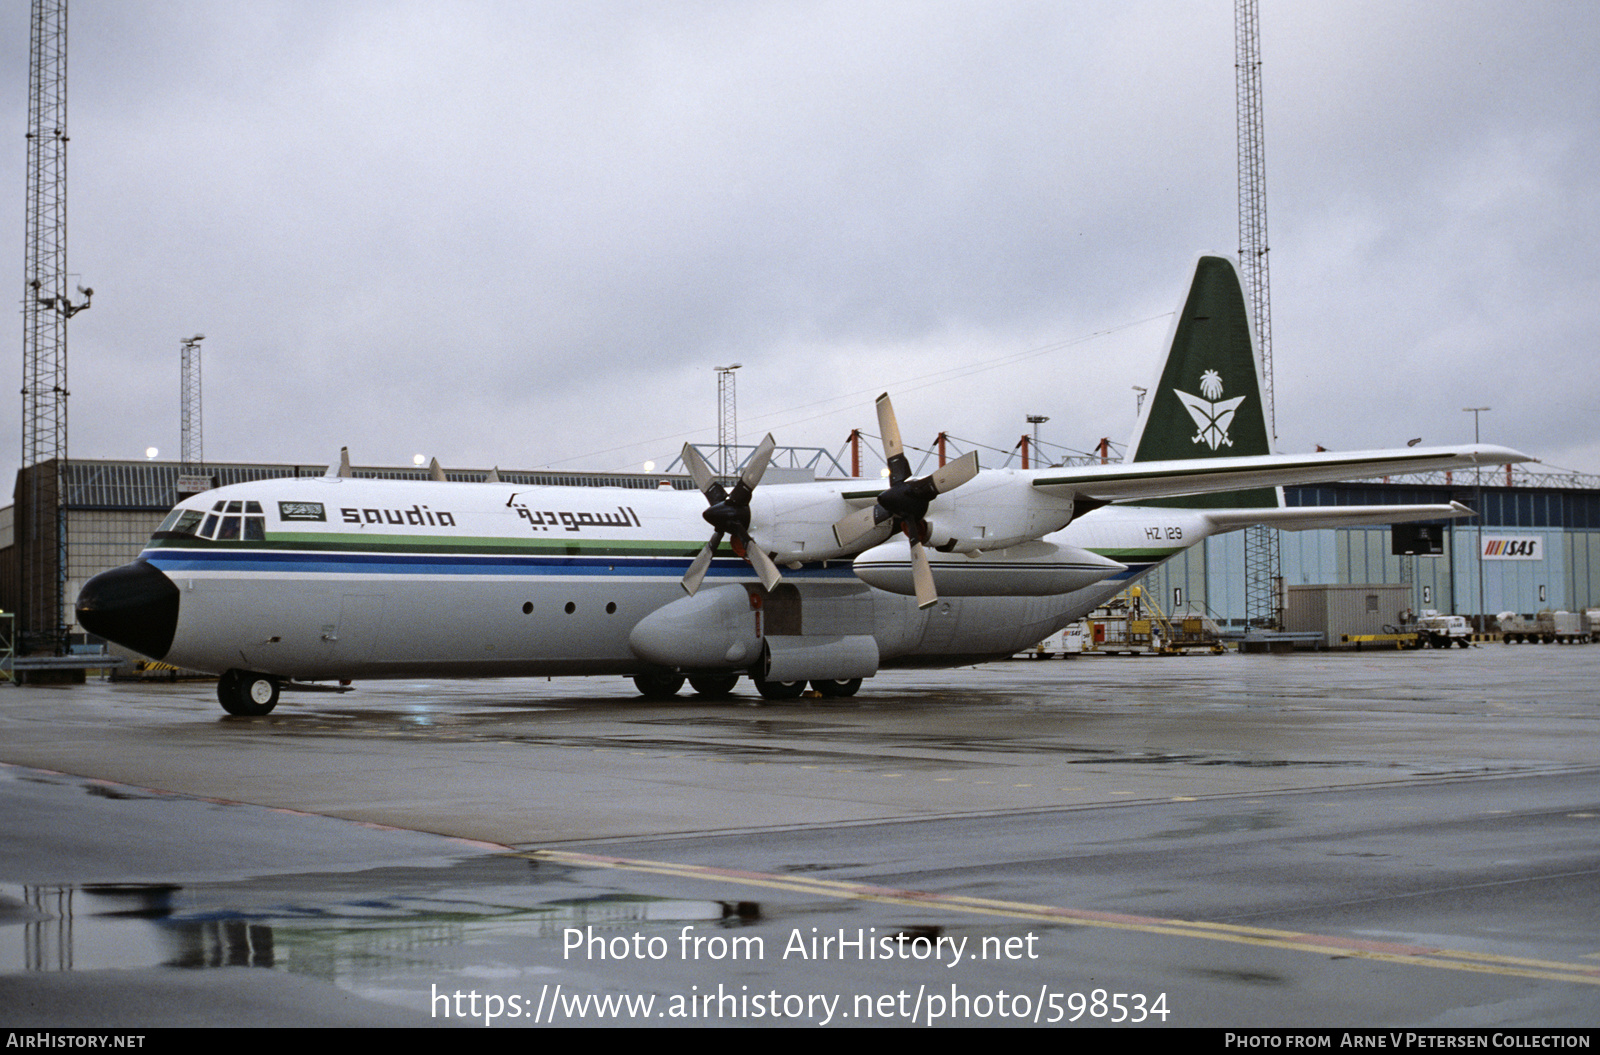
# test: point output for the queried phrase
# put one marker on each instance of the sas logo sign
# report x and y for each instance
(1508, 547)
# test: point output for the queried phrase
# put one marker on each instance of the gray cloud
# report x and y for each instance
(524, 233)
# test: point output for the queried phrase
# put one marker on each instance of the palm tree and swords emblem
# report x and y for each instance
(1212, 415)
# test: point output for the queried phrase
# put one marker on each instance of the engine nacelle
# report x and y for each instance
(996, 508)
(1031, 569)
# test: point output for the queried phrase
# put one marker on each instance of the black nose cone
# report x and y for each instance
(134, 605)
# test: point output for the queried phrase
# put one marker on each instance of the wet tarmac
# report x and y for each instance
(1373, 840)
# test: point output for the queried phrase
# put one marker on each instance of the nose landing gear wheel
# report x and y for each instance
(247, 694)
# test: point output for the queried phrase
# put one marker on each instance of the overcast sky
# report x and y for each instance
(525, 233)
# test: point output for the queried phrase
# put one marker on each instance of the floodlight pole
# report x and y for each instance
(727, 418)
(193, 447)
(1477, 480)
(46, 306)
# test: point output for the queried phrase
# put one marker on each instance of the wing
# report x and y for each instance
(1192, 476)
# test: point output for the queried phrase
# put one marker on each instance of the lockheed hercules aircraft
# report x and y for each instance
(280, 583)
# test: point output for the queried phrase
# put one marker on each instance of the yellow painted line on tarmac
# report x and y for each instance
(1294, 941)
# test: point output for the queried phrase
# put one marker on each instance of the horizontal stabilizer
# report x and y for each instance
(1310, 518)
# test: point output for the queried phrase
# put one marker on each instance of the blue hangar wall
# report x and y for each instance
(1542, 551)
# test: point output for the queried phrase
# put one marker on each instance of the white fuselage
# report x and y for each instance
(400, 579)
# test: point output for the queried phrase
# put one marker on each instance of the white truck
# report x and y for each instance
(1442, 631)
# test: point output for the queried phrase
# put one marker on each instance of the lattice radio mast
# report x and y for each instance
(727, 419)
(1263, 570)
(46, 307)
(194, 450)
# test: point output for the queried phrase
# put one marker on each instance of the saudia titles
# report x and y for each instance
(422, 516)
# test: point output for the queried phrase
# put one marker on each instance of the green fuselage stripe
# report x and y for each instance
(476, 546)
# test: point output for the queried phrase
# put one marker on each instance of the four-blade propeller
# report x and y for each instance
(729, 515)
(905, 502)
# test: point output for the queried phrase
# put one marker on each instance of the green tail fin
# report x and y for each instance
(1207, 402)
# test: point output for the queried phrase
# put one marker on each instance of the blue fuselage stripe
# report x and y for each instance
(323, 562)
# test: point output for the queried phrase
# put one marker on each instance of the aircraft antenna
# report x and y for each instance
(1263, 571)
(46, 307)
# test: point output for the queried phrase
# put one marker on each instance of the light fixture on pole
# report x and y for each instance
(1477, 480)
(1035, 420)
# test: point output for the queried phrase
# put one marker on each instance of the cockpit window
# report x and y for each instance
(223, 524)
(179, 522)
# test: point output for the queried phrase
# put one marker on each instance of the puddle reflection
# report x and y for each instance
(355, 931)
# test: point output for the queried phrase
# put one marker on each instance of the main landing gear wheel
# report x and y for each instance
(838, 687)
(713, 686)
(658, 686)
(779, 690)
(247, 694)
